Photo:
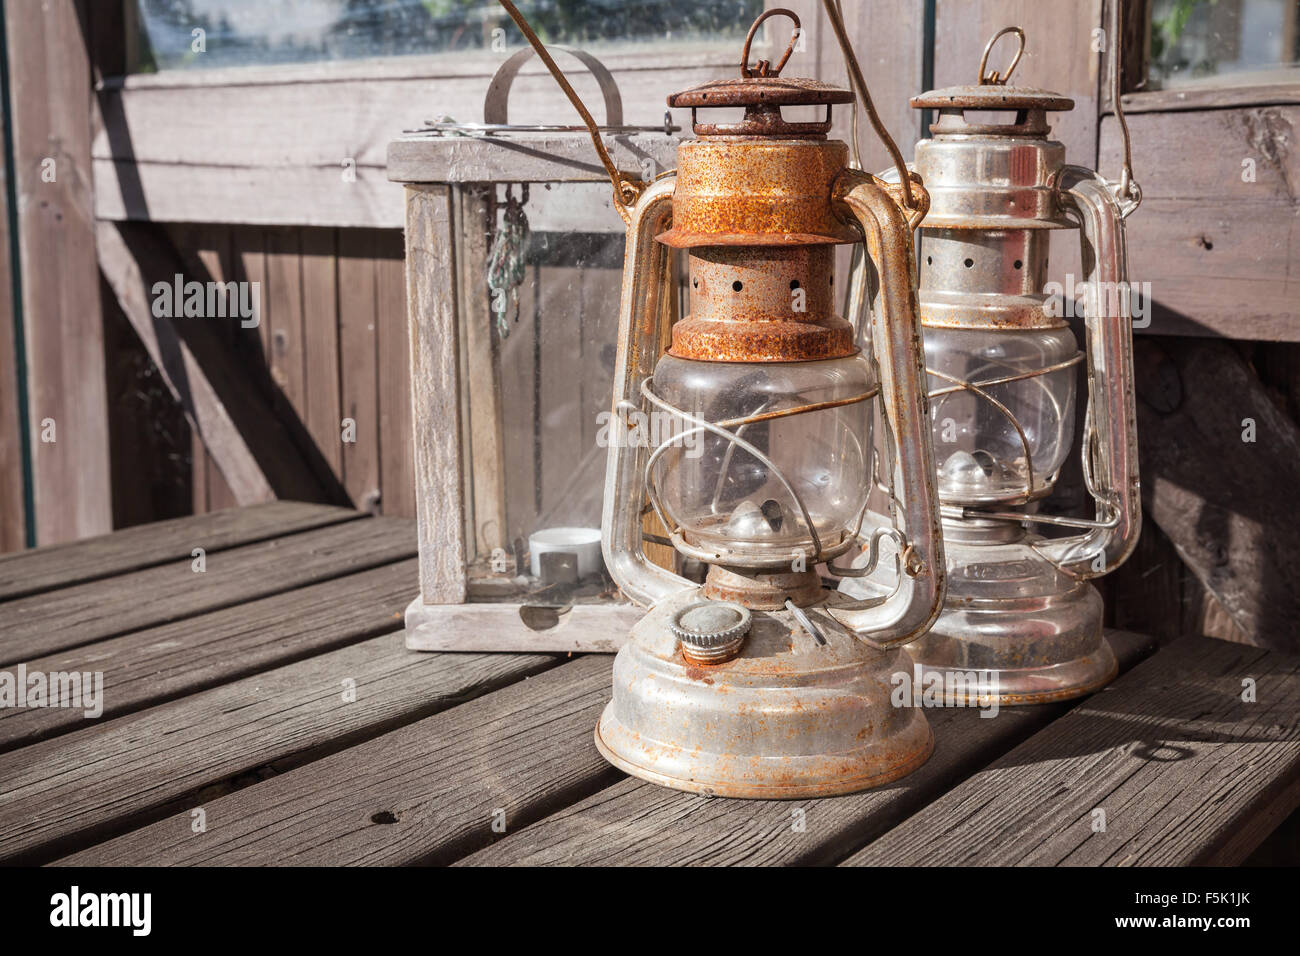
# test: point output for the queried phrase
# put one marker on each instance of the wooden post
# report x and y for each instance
(435, 393)
(50, 107)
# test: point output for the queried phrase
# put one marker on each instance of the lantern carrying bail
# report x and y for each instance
(762, 91)
(995, 78)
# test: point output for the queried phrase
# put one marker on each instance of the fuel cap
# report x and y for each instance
(711, 631)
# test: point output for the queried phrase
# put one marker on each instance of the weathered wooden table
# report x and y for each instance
(264, 711)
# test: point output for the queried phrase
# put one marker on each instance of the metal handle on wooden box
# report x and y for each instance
(1110, 456)
(913, 606)
(642, 312)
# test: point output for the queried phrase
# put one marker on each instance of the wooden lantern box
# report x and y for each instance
(506, 426)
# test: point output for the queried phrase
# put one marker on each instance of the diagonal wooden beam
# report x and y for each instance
(260, 456)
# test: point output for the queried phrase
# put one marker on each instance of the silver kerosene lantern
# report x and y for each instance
(1002, 366)
(761, 682)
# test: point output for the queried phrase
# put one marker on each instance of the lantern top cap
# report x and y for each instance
(991, 97)
(771, 91)
(992, 91)
(762, 91)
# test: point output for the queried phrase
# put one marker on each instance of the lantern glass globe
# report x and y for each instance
(979, 453)
(727, 498)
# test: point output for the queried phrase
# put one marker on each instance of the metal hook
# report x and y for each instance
(995, 78)
(764, 67)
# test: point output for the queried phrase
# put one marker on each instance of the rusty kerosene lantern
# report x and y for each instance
(760, 682)
(1002, 364)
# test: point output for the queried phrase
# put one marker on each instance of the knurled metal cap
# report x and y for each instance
(711, 631)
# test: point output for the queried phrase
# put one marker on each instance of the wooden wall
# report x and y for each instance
(330, 345)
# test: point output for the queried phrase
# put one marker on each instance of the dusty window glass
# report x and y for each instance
(1223, 42)
(265, 32)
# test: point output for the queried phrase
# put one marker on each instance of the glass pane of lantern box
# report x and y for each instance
(556, 343)
(514, 265)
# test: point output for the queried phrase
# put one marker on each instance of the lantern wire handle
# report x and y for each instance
(860, 85)
(995, 78)
(764, 67)
(853, 139)
(1129, 192)
(626, 189)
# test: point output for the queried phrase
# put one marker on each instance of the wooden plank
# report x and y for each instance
(1219, 251)
(265, 196)
(284, 316)
(207, 249)
(248, 251)
(147, 667)
(63, 794)
(321, 332)
(1211, 98)
(636, 823)
(435, 392)
(396, 430)
(143, 546)
(220, 494)
(358, 376)
(50, 77)
(439, 782)
(44, 623)
(1186, 772)
(258, 456)
(161, 133)
(1213, 491)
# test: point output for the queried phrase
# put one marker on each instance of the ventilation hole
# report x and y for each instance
(1017, 263)
(969, 263)
(695, 283)
(929, 260)
(383, 816)
(794, 283)
(832, 279)
(737, 285)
